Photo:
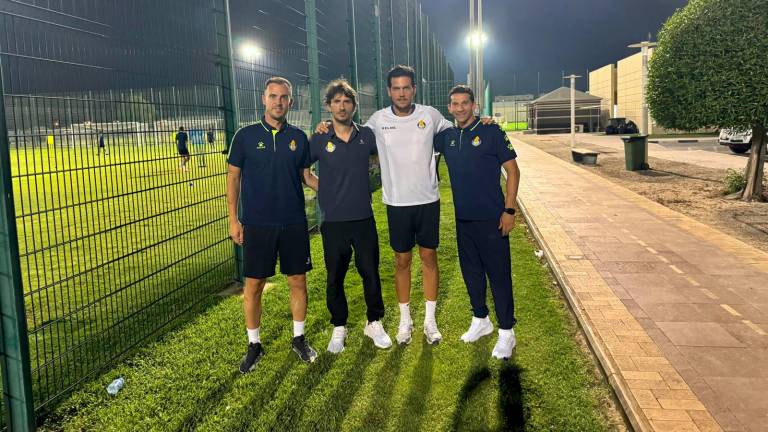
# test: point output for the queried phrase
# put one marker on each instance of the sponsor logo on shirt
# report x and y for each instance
(476, 142)
(292, 145)
(330, 147)
(421, 124)
(388, 127)
(260, 146)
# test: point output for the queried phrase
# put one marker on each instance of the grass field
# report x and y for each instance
(189, 380)
(113, 250)
(514, 126)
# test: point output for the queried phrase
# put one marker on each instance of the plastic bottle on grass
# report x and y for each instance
(115, 386)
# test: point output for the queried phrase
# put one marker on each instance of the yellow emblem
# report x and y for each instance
(292, 145)
(422, 124)
(260, 146)
(330, 147)
(476, 142)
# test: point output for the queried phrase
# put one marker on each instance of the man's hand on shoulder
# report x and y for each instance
(323, 127)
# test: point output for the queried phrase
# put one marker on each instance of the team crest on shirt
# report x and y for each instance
(292, 145)
(476, 142)
(422, 124)
(453, 143)
(330, 147)
(260, 146)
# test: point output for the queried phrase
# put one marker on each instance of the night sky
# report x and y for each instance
(547, 36)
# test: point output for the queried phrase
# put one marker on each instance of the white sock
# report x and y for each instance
(253, 335)
(298, 328)
(429, 314)
(405, 312)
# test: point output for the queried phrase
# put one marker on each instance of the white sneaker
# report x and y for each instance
(505, 346)
(404, 331)
(480, 327)
(375, 331)
(336, 344)
(431, 332)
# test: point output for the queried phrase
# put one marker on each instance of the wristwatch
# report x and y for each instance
(510, 210)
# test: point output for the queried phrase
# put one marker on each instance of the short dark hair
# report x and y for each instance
(340, 86)
(280, 81)
(181, 127)
(401, 71)
(462, 89)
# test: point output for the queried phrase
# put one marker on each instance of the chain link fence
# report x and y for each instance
(109, 238)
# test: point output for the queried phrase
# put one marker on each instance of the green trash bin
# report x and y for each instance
(635, 149)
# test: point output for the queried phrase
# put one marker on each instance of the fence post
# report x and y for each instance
(353, 73)
(229, 102)
(14, 342)
(377, 54)
(314, 79)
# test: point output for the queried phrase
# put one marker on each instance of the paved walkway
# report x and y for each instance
(703, 158)
(676, 311)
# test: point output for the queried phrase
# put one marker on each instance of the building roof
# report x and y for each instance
(563, 94)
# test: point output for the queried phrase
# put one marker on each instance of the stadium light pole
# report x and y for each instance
(250, 53)
(573, 108)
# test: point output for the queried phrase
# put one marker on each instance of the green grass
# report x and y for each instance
(189, 380)
(514, 126)
(113, 249)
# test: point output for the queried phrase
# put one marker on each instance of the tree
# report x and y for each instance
(710, 70)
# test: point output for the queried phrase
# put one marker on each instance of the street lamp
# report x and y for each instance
(250, 52)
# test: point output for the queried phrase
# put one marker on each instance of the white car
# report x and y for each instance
(739, 141)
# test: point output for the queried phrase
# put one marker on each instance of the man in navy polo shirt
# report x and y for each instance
(268, 161)
(345, 199)
(475, 154)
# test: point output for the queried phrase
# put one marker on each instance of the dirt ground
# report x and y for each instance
(689, 189)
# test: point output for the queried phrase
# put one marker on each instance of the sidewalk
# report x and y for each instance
(703, 158)
(676, 311)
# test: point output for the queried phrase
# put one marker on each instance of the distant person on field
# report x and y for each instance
(181, 146)
(102, 146)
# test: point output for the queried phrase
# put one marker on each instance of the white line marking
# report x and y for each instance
(730, 310)
(754, 327)
(674, 267)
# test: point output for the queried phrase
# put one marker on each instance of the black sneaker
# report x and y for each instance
(306, 353)
(255, 352)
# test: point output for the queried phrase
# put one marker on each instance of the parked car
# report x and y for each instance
(620, 126)
(739, 141)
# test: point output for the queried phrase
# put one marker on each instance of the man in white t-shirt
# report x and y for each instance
(404, 136)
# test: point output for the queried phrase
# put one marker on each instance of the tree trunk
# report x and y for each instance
(754, 187)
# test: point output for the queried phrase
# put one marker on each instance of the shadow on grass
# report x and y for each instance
(209, 402)
(338, 402)
(290, 411)
(260, 396)
(412, 411)
(377, 415)
(471, 383)
(510, 403)
(511, 397)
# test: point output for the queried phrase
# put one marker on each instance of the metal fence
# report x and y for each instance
(106, 240)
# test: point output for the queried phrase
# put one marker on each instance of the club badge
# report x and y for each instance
(422, 124)
(330, 147)
(476, 142)
(292, 145)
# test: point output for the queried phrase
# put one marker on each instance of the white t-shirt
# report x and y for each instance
(405, 146)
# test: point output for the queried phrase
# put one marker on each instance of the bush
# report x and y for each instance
(735, 181)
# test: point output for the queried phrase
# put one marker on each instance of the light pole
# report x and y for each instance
(573, 108)
(644, 49)
(476, 41)
(250, 53)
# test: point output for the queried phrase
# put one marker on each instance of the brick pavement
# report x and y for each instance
(676, 311)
